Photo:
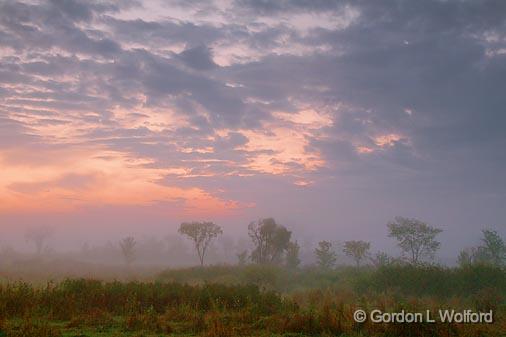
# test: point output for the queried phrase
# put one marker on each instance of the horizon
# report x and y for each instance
(128, 118)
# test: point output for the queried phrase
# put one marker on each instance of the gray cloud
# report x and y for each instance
(431, 72)
(199, 58)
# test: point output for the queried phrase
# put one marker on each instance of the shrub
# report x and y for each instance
(30, 328)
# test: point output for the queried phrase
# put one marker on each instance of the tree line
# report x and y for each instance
(273, 244)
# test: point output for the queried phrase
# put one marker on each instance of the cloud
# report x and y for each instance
(193, 97)
(199, 58)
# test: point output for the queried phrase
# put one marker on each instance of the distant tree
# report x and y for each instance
(38, 236)
(202, 234)
(493, 248)
(325, 256)
(380, 259)
(85, 249)
(492, 251)
(270, 239)
(292, 255)
(227, 245)
(242, 258)
(467, 256)
(176, 248)
(415, 238)
(127, 246)
(357, 250)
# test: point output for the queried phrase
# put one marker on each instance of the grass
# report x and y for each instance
(255, 301)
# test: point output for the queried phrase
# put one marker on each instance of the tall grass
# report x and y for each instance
(256, 300)
(64, 300)
(402, 279)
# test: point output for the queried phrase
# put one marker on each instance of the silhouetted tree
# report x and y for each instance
(325, 256)
(202, 234)
(270, 240)
(127, 246)
(493, 247)
(38, 236)
(415, 238)
(357, 250)
(292, 255)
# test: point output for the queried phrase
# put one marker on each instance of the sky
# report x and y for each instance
(331, 116)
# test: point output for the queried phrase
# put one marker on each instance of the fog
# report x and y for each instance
(332, 117)
(93, 237)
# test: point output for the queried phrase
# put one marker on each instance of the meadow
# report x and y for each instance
(254, 300)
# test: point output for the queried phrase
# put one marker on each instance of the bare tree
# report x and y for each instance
(415, 238)
(357, 250)
(127, 246)
(326, 257)
(38, 236)
(202, 234)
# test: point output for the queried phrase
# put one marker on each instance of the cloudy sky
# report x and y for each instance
(332, 116)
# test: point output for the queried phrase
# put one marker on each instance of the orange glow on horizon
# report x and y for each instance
(96, 177)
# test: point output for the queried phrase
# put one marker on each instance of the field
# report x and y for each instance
(255, 301)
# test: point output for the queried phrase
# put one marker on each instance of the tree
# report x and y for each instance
(326, 257)
(492, 251)
(292, 255)
(242, 258)
(415, 238)
(357, 250)
(39, 236)
(270, 240)
(468, 256)
(227, 245)
(493, 247)
(202, 234)
(127, 246)
(380, 259)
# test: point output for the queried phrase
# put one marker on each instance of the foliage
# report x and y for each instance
(271, 240)
(292, 255)
(326, 257)
(381, 259)
(438, 281)
(202, 234)
(494, 249)
(467, 256)
(357, 250)
(242, 258)
(415, 238)
(78, 307)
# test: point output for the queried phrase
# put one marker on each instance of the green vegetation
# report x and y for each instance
(268, 293)
(255, 300)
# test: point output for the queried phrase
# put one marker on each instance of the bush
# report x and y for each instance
(29, 328)
(434, 280)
